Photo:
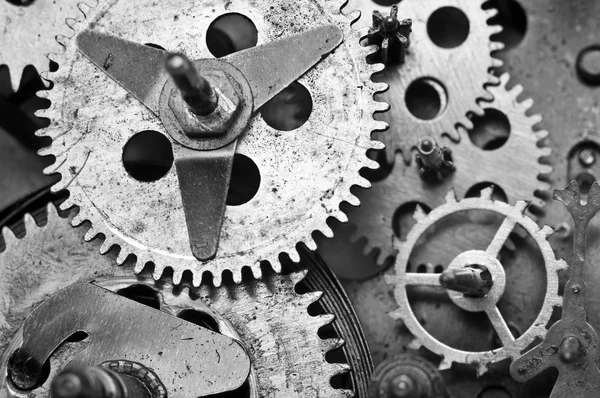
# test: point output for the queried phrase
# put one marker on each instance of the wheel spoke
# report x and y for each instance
(415, 278)
(500, 326)
(501, 235)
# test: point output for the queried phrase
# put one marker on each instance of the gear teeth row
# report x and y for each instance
(421, 337)
(144, 255)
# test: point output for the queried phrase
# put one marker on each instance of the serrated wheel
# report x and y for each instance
(487, 259)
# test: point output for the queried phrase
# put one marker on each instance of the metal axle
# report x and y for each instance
(196, 91)
(471, 281)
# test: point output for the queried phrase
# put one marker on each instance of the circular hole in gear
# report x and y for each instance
(200, 318)
(448, 27)
(148, 156)
(403, 219)
(386, 3)
(426, 98)
(230, 33)
(497, 192)
(585, 180)
(245, 180)
(513, 19)
(289, 109)
(490, 131)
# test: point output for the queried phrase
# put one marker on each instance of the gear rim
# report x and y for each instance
(537, 329)
(116, 232)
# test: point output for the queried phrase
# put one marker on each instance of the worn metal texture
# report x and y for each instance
(571, 344)
(461, 84)
(511, 347)
(106, 317)
(305, 174)
(266, 316)
(515, 167)
(31, 32)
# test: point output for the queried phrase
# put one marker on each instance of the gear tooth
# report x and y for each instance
(445, 364)
(105, 247)
(504, 78)
(419, 214)
(545, 152)
(177, 276)
(396, 315)
(311, 297)
(90, 234)
(256, 271)
(535, 119)
(297, 277)
(521, 206)
(353, 200)
(486, 193)
(481, 369)
(310, 243)
(277, 266)
(451, 196)
(217, 279)
(325, 319)
(78, 219)
(491, 13)
(497, 63)
(561, 265)
(547, 231)
(545, 169)
(527, 103)
(342, 217)
(541, 134)
(29, 221)
(8, 236)
(123, 256)
(537, 202)
(496, 46)
(294, 256)
(414, 344)
(237, 276)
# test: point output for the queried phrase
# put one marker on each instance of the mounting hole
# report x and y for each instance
(230, 33)
(289, 109)
(426, 98)
(422, 268)
(497, 192)
(403, 219)
(148, 156)
(77, 337)
(438, 269)
(513, 19)
(448, 27)
(585, 180)
(245, 180)
(491, 130)
(588, 65)
(142, 294)
(200, 318)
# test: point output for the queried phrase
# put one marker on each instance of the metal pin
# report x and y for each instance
(434, 163)
(195, 90)
(96, 382)
(471, 281)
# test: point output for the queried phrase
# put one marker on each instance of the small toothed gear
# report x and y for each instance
(391, 35)
(433, 68)
(264, 315)
(304, 174)
(32, 30)
(488, 258)
(515, 167)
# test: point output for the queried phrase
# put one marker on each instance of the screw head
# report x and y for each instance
(587, 157)
(403, 386)
(570, 349)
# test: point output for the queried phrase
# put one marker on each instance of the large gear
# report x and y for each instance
(511, 346)
(31, 31)
(265, 315)
(303, 180)
(515, 167)
(430, 67)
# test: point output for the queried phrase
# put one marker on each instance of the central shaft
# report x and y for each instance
(196, 91)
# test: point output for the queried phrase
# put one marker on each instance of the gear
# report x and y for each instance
(302, 180)
(407, 375)
(514, 167)
(487, 259)
(32, 30)
(265, 315)
(431, 93)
